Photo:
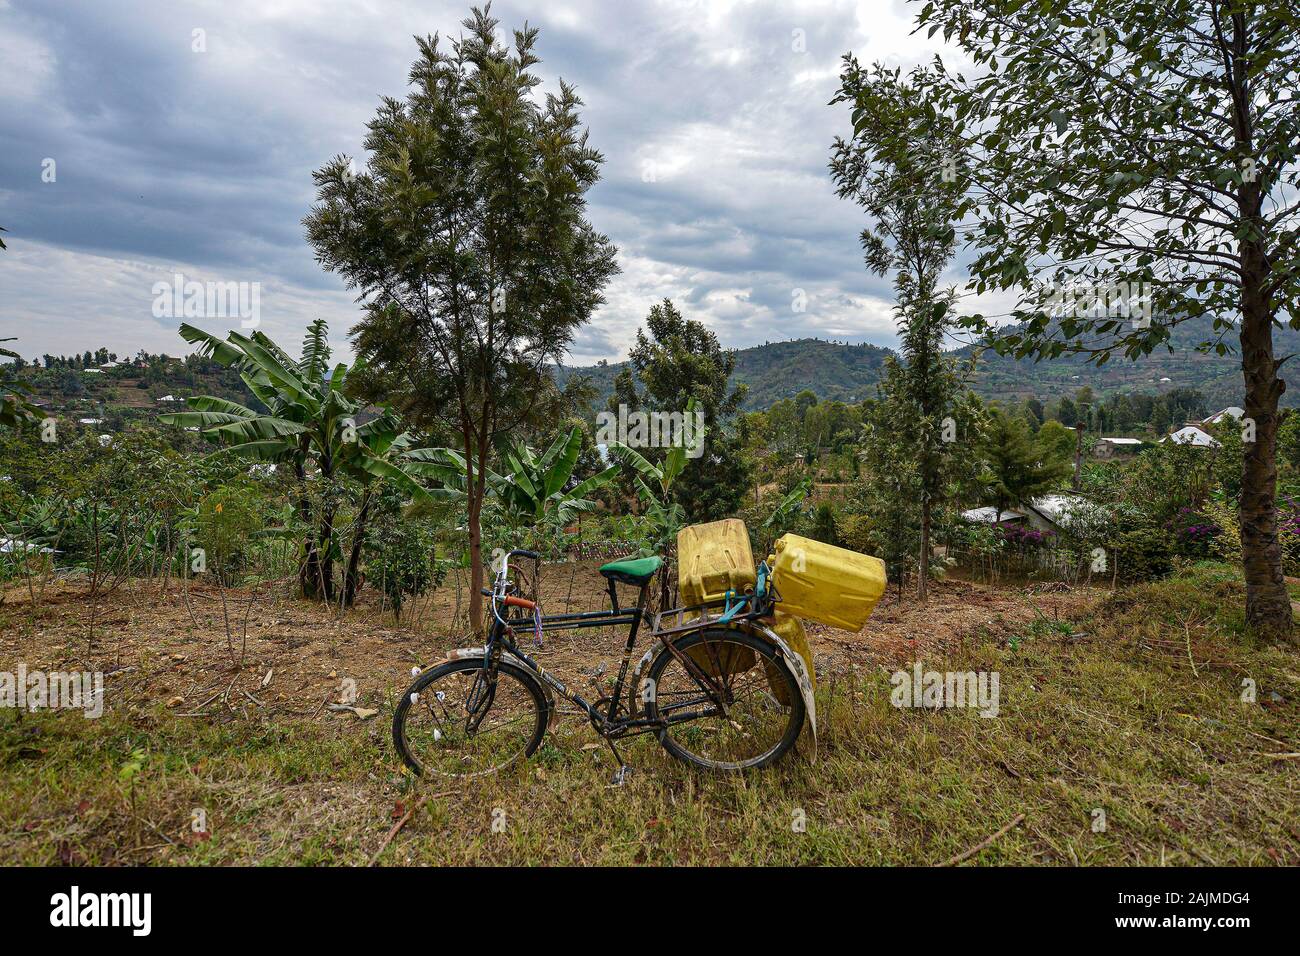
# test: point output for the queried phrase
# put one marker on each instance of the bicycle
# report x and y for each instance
(717, 687)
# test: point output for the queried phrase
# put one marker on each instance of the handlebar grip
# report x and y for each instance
(514, 601)
(531, 555)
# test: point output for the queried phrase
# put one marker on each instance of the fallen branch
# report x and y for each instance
(397, 827)
(983, 844)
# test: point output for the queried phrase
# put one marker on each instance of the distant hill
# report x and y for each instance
(780, 370)
(1218, 377)
(850, 372)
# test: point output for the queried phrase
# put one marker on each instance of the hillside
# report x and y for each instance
(779, 370)
(131, 390)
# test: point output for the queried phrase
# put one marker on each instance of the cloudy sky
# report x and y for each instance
(146, 138)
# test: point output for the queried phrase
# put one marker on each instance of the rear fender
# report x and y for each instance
(795, 662)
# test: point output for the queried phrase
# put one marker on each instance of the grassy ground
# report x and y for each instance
(1134, 711)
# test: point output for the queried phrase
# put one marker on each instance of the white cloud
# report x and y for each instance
(171, 159)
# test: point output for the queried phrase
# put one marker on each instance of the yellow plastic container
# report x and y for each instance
(790, 629)
(712, 559)
(823, 583)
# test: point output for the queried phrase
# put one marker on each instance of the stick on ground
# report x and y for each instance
(983, 844)
(397, 827)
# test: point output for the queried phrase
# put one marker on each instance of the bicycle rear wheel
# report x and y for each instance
(456, 720)
(734, 706)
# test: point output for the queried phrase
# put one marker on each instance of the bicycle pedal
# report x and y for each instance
(621, 776)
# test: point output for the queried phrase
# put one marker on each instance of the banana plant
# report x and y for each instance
(532, 490)
(788, 510)
(15, 411)
(311, 423)
(533, 487)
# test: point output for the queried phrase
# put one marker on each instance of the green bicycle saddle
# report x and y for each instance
(636, 571)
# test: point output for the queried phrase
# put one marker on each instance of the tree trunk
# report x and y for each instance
(1268, 606)
(309, 567)
(324, 558)
(923, 566)
(475, 473)
(350, 573)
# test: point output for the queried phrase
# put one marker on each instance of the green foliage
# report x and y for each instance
(1057, 440)
(227, 521)
(313, 424)
(682, 361)
(824, 524)
(1141, 553)
(537, 487)
(655, 484)
(1019, 468)
(466, 236)
(15, 409)
(401, 555)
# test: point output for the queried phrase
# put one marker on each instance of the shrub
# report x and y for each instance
(400, 553)
(228, 518)
(1140, 553)
(1193, 533)
(1017, 536)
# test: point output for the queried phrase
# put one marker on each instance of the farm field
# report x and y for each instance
(1126, 704)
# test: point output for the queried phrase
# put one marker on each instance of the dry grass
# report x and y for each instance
(1133, 708)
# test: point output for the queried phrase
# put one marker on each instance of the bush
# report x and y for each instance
(1139, 554)
(228, 519)
(1193, 533)
(400, 553)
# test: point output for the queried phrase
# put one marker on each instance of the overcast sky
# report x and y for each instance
(129, 156)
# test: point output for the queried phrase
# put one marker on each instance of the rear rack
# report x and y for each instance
(680, 620)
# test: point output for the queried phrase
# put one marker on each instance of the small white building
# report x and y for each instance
(989, 515)
(1107, 448)
(91, 421)
(1046, 513)
(1232, 411)
(12, 546)
(1192, 435)
(170, 398)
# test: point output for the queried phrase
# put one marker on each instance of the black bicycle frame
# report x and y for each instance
(616, 615)
(609, 724)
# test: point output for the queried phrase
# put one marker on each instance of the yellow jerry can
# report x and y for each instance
(823, 583)
(790, 629)
(712, 559)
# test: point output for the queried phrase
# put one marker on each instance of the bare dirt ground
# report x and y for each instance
(196, 648)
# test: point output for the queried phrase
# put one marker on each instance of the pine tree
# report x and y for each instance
(466, 236)
(895, 167)
(1019, 467)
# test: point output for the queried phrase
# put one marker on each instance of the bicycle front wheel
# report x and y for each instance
(458, 720)
(727, 698)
